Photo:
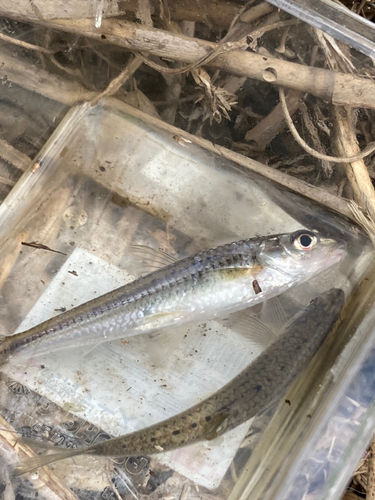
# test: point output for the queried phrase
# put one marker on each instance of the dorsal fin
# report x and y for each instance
(149, 259)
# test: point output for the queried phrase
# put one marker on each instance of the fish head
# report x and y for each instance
(302, 252)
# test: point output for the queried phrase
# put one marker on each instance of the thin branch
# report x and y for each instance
(222, 47)
(37, 80)
(13, 156)
(369, 226)
(356, 170)
(259, 32)
(370, 148)
(117, 82)
(256, 12)
(7, 182)
(25, 45)
(334, 87)
(69, 71)
(265, 131)
(314, 136)
(217, 12)
(370, 493)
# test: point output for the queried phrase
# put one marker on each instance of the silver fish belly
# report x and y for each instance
(265, 380)
(212, 283)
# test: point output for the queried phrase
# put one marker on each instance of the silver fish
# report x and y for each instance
(212, 283)
(264, 381)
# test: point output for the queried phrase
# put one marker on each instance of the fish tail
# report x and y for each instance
(31, 464)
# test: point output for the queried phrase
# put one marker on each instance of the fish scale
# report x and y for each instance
(212, 283)
(264, 381)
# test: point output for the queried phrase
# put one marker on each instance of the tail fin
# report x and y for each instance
(37, 444)
(31, 464)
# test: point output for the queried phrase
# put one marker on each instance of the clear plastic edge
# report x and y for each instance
(349, 28)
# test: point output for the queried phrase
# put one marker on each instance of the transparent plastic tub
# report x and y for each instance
(107, 180)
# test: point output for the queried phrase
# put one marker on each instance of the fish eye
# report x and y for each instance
(304, 241)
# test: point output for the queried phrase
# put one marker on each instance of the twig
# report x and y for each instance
(336, 59)
(25, 45)
(370, 493)
(256, 12)
(7, 182)
(263, 133)
(222, 47)
(216, 101)
(218, 12)
(350, 495)
(364, 221)
(40, 246)
(117, 82)
(258, 33)
(356, 170)
(225, 45)
(326, 167)
(70, 71)
(184, 492)
(40, 81)
(13, 156)
(143, 12)
(174, 82)
(370, 148)
(334, 87)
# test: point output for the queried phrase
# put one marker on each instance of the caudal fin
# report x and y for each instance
(34, 463)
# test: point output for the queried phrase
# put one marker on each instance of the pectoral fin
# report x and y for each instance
(274, 315)
(36, 444)
(250, 327)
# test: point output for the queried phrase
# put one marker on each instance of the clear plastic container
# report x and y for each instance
(109, 177)
(107, 180)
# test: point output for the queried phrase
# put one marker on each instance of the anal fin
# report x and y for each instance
(250, 327)
(149, 259)
(161, 345)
